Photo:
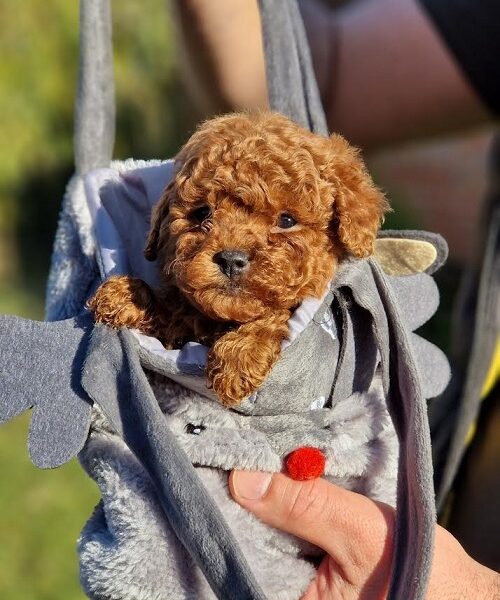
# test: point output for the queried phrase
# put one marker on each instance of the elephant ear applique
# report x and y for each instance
(409, 258)
(410, 252)
(40, 364)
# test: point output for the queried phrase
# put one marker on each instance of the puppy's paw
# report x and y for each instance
(233, 371)
(124, 302)
(240, 360)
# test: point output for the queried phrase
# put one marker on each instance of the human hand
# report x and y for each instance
(357, 535)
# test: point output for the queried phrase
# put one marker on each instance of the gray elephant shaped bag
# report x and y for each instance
(352, 380)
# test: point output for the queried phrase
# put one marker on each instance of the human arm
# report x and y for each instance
(357, 535)
(222, 55)
(384, 72)
(391, 76)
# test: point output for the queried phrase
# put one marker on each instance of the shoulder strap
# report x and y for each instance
(291, 83)
(476, 335)
(95, 97)
(292, 86)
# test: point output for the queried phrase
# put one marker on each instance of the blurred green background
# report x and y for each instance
(41, 513)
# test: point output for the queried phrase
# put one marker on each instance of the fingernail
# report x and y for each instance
(251, 485)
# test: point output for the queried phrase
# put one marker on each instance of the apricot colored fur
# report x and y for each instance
(246, 170)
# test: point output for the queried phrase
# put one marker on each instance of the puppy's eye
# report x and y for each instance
(286, 221)
(200, 214)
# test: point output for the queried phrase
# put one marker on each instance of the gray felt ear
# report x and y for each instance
(407, 252)
(40, 368)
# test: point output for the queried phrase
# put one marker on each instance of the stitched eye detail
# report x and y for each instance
(200, 214)
(194, 429)
(286, 221)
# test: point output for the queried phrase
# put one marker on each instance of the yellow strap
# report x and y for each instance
(494, 372)
(489, 383)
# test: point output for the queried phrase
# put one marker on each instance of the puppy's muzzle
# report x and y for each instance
(232, 262)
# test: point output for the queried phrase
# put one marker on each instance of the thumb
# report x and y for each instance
(354, 530)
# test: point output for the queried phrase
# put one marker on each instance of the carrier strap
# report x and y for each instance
(95, 97)
(292, 86)
(291, 83)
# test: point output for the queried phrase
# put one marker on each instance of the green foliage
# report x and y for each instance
(37, 76)
(41, 513)
(39, 50)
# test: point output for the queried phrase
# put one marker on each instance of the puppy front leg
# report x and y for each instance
(124, 301)
(240, 360)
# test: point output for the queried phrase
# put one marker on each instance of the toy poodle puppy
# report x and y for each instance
(258, 215)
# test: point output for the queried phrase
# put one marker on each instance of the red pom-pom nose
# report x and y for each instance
(305, 463)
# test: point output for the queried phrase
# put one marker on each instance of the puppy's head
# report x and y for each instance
(258, 215)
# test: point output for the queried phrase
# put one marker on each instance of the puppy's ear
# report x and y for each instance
(358, 205)
(158, 220)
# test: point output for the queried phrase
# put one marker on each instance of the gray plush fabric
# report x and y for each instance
(355, 330)
(358, 334)
(364, 461)
(365, 323)
(113, 377)
(76, 260)
(73, 271)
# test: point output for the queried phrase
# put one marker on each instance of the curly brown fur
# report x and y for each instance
(240, 180)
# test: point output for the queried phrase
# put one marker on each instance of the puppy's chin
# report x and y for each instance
(224, 304)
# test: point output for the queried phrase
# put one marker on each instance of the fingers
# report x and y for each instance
(357, 534)
(354, 530)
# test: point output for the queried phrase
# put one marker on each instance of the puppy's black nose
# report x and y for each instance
(232, 262)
